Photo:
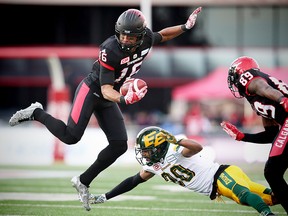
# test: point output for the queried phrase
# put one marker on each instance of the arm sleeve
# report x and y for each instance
(126, 185)
(157, 38)
(266, 136)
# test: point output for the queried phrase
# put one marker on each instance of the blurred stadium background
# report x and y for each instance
(187, 93)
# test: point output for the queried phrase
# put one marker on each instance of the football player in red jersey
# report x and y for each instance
(268, 97)
(120, 57)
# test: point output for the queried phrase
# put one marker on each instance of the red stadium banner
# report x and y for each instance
(44, 52)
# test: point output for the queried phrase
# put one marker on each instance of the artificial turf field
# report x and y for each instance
(47, 191)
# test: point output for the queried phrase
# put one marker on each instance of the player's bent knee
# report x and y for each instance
(119, 147)
(243, 196)
(270, 174)
(69, 139)
(242, 193)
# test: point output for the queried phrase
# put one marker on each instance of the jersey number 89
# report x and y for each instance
(245, 77)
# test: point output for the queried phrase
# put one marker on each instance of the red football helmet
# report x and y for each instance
(239, 66)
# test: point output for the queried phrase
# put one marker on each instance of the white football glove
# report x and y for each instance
(97, 199)
(133, 97)
(192, 18)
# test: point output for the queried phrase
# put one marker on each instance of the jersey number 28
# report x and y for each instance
(180, 174)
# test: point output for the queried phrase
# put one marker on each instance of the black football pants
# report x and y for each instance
(109, 118)
(277, 165)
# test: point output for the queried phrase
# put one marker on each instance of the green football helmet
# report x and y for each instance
(150, 146)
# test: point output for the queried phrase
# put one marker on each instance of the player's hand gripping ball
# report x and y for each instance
(133, 90)
(137, 85)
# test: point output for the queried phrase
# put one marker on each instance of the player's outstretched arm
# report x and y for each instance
(125, 186)
(171, 32)
(191, 147)
(260, 87)
(266, 136)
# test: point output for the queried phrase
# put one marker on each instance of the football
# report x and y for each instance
(137, 85)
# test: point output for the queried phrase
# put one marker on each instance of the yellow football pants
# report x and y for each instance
(232, 176)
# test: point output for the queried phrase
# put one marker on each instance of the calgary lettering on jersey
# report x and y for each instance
(281, 140)
(282, 137)
(134, 61)
(144, 52)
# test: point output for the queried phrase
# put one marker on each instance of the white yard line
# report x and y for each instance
(24, 174)
(61, 197)
(134, 208)
(74, 197)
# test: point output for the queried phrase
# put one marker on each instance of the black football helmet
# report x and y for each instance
(131, 22)
(150, 146)
(238, 67)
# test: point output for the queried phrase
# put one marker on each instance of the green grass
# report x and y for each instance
(160, 202)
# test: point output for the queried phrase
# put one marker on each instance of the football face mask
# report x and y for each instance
(232, 80)
(150, 147)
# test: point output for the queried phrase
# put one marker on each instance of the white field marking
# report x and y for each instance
(140, 208)
(133, 208)
(62, 197)
(24, 174)
(38, 196)
(71, 197)
(172, 188)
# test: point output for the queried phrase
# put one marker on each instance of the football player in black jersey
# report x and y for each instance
(268, 97)
(120, 57)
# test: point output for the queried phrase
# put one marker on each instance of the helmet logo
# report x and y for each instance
(235, 65)
(153, 138)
